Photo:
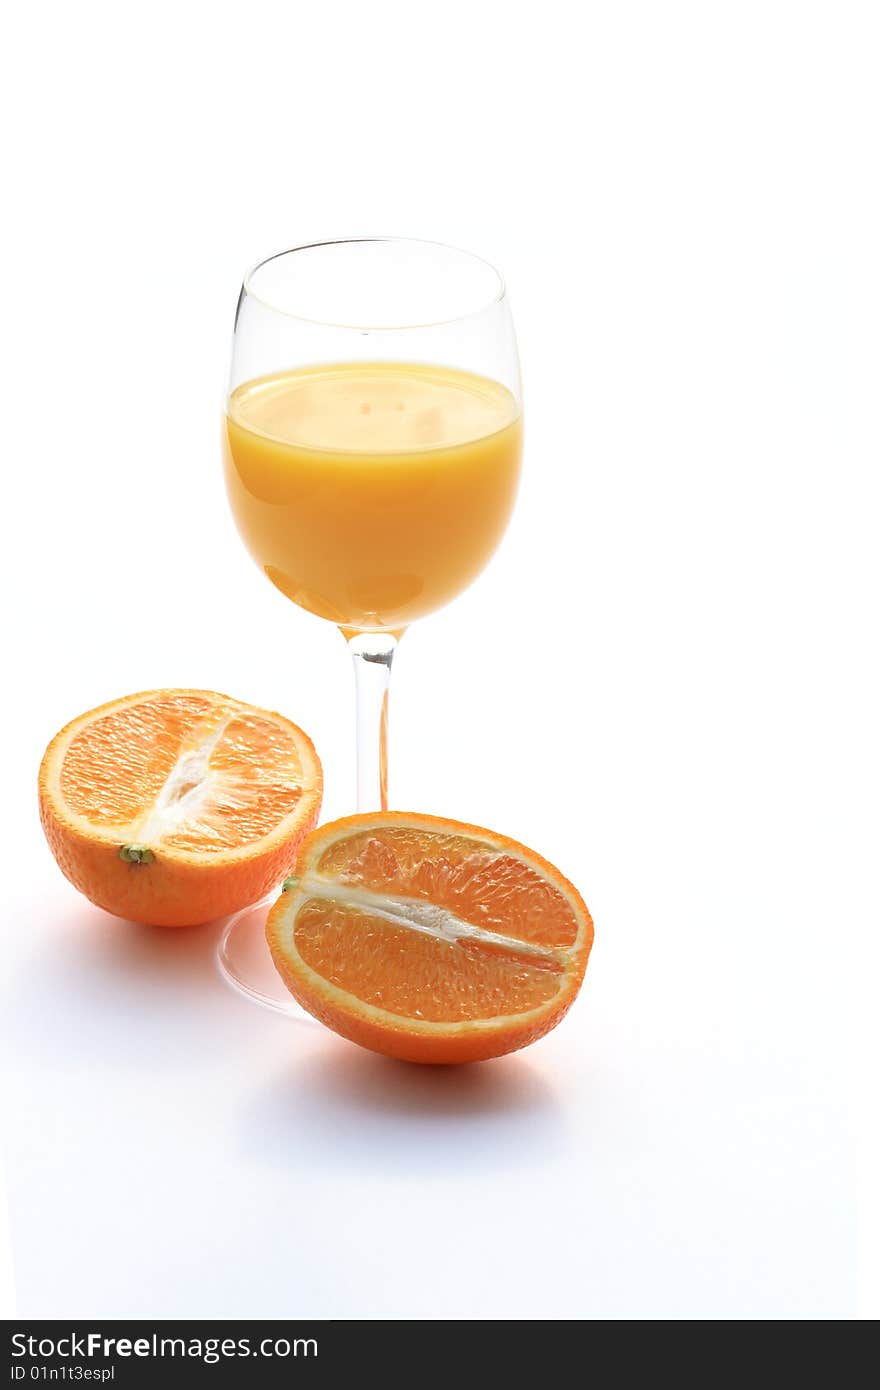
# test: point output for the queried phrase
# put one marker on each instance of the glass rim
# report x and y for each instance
(251, 293)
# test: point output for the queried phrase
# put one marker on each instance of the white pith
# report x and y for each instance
(185, 791)
(420, 916)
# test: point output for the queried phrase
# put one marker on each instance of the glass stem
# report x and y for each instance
(373, 653)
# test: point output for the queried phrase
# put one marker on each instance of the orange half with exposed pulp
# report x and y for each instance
(174, 807)
(427, 939)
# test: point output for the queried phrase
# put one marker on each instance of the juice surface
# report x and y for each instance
(372, 493)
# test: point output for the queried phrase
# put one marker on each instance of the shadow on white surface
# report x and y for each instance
(120, 993)
(343, 1106)
(703, 1181)
(150, 956)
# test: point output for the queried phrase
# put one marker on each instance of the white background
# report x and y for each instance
(664, 681)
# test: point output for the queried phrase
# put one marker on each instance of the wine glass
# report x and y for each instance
(372, 444)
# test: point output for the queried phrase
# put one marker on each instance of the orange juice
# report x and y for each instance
(372, 493)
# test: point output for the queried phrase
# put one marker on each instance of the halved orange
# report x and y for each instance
(177, 806)
(429, 940)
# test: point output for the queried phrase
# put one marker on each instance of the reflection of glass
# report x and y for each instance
(372, 442)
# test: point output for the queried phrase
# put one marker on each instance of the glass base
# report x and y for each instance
(244, 961)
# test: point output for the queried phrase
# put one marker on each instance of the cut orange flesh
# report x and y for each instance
(429, 940)
(177, 806)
